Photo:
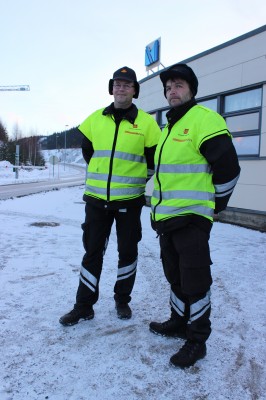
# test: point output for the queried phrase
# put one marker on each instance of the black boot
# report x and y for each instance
(77, 314)
(123, 310)
(189, 354)
(171, 328)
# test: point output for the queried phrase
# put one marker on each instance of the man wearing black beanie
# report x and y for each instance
(196, 171)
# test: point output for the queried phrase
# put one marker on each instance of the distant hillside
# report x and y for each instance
(73, 156)
(72, 138)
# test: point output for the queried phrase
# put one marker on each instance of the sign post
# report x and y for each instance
(53, 160)
(17, 161)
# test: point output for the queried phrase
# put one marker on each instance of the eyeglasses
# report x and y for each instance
(125, 86)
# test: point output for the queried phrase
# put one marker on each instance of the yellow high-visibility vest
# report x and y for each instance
(183, 178)
(118, 169)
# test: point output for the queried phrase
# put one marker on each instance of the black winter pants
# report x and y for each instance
(186, 261)
(96, 231)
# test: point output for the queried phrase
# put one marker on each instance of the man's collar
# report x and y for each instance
(129, 114)
(175, 114)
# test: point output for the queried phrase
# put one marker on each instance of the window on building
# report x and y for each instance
(246, 145)
(243, 123)
(163, 118)
(210, 103)
(154, 115)
(242, 114)
(243, 100)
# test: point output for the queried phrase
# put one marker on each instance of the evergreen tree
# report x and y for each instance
(72, 137)
(11, 151)
(3, 142)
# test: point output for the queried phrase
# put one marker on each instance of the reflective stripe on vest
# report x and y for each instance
(184, 194)
(115, 192)
(168, 210)
(184, 169)
(120, 155)
(115, 178)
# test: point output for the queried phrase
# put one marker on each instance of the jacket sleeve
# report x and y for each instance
(87, 149)
(221, 155)
(149, 154)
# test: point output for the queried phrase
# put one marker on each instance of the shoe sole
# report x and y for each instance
(75, 323)
(174, 335)
(120, 315)
(187, 366)
(124, 316)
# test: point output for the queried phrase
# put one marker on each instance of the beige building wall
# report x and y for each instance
(234, 65)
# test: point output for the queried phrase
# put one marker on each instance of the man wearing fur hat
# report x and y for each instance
(196, 172)
(118, 145)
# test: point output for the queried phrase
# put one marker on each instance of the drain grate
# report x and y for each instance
(42, 224)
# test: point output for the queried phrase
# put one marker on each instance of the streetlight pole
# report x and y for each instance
(65, 150)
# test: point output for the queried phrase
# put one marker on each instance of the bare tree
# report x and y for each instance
(17, 134)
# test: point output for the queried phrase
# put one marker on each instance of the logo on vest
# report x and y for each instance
(135, 132)
(181, 140)
(182, 134)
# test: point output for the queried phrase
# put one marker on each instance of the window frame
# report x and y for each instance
(250, 110)
(220, 110)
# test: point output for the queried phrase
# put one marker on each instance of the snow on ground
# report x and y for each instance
(108, 358)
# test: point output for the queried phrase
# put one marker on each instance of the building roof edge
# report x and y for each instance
(213, 49)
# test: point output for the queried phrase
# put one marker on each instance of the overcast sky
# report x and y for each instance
(67, 50)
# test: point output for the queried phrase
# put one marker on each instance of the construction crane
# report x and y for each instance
(14, 87)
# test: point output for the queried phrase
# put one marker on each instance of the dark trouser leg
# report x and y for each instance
(179, 306)
(199, 324)
(186, 261)
(96, 232)
(170, 261)
(128, 229)
(194, 311)
(195, 275)
(198, 331)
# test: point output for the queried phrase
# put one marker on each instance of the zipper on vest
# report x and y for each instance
(157, 171)
(111, 160)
